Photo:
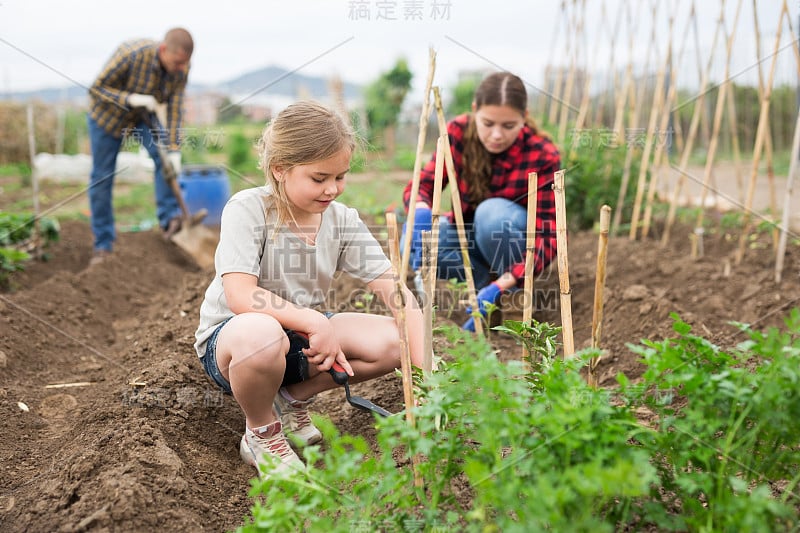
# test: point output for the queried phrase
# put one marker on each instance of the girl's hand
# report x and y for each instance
(324, 348)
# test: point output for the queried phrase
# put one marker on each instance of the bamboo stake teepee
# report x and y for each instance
(583, 108)
(637, 99)
(658, 101)
(555, 101)
(431, 265)
(566, 98)
(455, 200)
(768, 134)
(759, 142)
(712, 148)
(664, 136)
(697, 114)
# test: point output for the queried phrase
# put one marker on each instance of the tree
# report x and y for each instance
(463, 95)
(384, 99)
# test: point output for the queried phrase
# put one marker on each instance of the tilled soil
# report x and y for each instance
(145, 442)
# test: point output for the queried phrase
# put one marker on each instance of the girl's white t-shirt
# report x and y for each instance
(251, 243)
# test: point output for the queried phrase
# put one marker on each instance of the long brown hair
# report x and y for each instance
(303, 133)
(501, 89)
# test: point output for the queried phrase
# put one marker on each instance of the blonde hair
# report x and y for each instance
(305, 132)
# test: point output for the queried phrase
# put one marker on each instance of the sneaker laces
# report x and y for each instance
(301, 413)
(276, 445)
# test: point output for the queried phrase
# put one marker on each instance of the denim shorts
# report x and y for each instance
(296, 361)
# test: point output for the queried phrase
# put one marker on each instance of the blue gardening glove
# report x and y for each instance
(422, 222)
(490, 294)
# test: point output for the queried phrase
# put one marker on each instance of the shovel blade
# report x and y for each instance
(199, 242)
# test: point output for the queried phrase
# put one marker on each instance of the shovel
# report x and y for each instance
(340, 377)
(193, 238)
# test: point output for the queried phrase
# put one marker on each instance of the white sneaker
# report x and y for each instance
(296, 421)
(254, 446)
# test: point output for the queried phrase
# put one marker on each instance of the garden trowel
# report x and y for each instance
(340, 377)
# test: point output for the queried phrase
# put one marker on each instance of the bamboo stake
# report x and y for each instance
(768, 137)
(455, 200)
(787, 201)
(599, 288)
(415, 176)
(402, 326)
(563, 265)
(712, 148)
(530, 258)
(759, 144)
(612, 61)
(405, 356)
(666, 113)
(737, 152)
(584, 105)
(429, 280)
(704, 123)
(431, 245)
(555, 101)
(658, 99)
(634, 121)
(622, 97)
(697, 114)
(34, 181)
(573, 65)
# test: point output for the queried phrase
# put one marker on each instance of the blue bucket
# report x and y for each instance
(205, 186)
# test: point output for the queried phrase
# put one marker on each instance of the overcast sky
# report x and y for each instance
(47, 43)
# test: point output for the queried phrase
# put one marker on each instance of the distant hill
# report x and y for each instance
(278, 81)
(268, 81)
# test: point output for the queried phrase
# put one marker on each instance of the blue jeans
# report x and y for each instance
(105, 148)
(496, 240)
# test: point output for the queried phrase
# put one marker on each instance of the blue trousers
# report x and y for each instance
(496, 240)
(105, 148)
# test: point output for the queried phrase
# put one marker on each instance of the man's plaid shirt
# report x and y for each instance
(529, 153)
(135, 68)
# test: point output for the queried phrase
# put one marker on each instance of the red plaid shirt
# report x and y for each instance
(529, 153)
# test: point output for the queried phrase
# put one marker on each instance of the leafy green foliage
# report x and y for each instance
(555, 459)
(594, 177)
(727, 429)
(241, 153)
(462, 96)
(502, 449)
(384, 97)
(16, 229)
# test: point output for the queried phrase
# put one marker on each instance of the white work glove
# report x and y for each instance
(175, 161)
(142, 100)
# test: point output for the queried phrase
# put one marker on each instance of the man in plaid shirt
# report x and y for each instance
(140, 75)
(494, 148)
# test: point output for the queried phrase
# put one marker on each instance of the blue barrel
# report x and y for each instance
(205, 186)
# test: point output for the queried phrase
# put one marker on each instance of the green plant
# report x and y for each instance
(241, 156)
(538, 338)
(594, 177)
(15, 231)
(556, 458)
(457, 289)
(727, 429)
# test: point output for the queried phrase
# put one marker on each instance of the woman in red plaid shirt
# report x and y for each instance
(494, 148)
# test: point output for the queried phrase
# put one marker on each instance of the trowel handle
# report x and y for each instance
(338, 373)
